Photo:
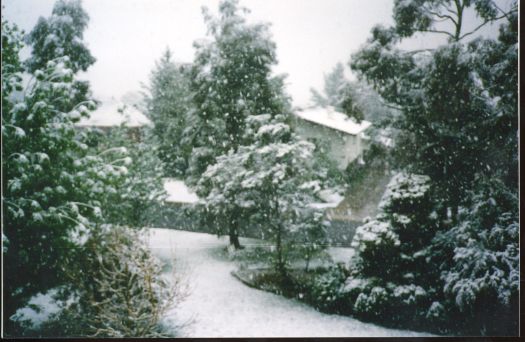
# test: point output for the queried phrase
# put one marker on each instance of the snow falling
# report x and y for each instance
(212, 199)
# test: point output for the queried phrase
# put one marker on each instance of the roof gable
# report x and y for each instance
(328, 117)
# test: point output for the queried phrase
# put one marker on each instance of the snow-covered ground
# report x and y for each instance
(218, 305)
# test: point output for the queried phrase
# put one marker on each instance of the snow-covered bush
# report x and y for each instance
(392, 246)
(373, 304)
(389, 274)
(378, 247)
(481, 275)
(327, 290)
(119, 291)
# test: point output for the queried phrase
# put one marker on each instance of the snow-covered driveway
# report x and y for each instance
(221, 306)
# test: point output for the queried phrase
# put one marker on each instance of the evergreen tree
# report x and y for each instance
(437, 92)
(353, 99)
(457, 124)
(11, 64)
(167, 104)
(141, 192)
(269, 182)
(51, 185)
(61, 35)
(390, 277)
(479, 262)
(231, 79)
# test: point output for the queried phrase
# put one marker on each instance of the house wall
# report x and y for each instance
(343, 147)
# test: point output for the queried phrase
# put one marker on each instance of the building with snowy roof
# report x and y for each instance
(343, 137)
(112, 114)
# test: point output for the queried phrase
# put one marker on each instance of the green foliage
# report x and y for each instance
(355, 99)
(118, 292)
(141, 192)
(457, 125)
(479, 260)
(266, 183)
(122, 293)
(446, 106)
(326, 290)
(60, 35)
(230, 79)
(168, 102)
(51, 184)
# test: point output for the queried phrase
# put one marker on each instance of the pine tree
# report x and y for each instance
(391, 251)
(167, 103)
(231, 79)
(141, 191)
(339, 93)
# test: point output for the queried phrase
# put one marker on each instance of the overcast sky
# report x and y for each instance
(128, 36)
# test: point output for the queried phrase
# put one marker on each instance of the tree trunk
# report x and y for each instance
(279, 247)
(234, 235)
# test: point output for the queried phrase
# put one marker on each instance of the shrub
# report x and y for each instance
(327, 290)
(120, 292)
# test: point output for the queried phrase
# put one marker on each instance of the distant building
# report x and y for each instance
(113, 114)
(178, 192)
(178, 209)
(344, 138)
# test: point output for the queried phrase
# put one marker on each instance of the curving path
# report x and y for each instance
(218, 305)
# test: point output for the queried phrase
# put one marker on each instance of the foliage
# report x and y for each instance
(445, 105)
(457, 125)
(355, 99)
(230, 79)
(141, 191)
(11, 65)
(326, 290)
(480, 272)
(167, 103)
(119, 291)
(60, 35)
(389, 272)
(267, 182)
(51, 184)
(122, 293)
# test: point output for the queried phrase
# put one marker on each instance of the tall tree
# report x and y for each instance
(167, 104)
(437, 91)
(231, 79)
(61, 35)
(458, 125)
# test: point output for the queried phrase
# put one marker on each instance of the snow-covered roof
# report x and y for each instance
(108, 115)
(178, 192)
(327, 116)
(331, 199)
